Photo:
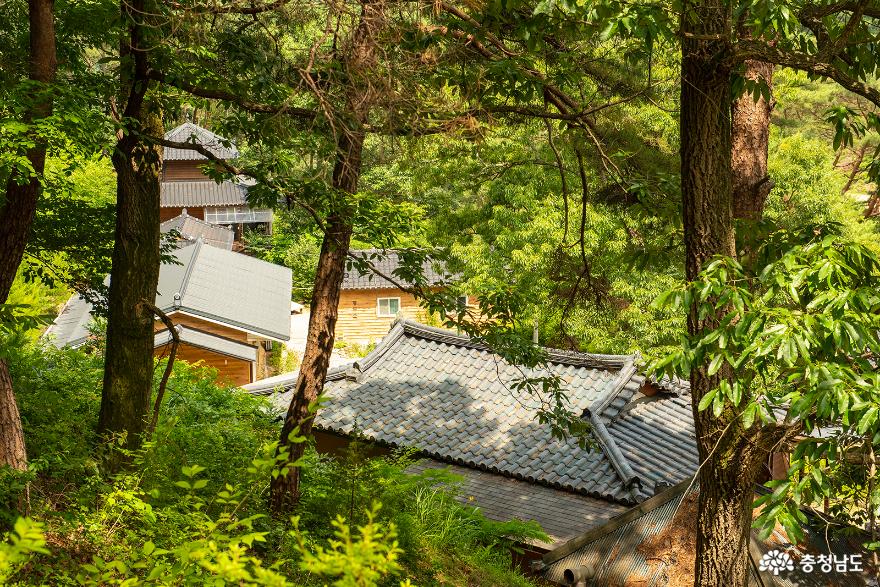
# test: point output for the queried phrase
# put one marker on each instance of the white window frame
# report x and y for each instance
(467, 301)
(379, 307)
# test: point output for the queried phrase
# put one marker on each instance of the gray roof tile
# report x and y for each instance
(193, 133)
(656, 436)
(192, 228)
(467, 419)
(386, 262)
(193, 194)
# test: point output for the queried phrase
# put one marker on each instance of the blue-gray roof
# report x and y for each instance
(197, 193)
(455, 401)
(191, 228)
(561, 514)
(207, 282)
(386, 262)
(193, 133)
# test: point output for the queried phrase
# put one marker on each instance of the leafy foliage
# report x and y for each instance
(800, 331)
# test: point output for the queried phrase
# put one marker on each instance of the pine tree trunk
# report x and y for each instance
(750, 145)
(324, 309)
(128, 363)
(17, 215)
(707, 193)
(359, 59)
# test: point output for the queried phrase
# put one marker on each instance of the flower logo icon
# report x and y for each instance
(775, 561)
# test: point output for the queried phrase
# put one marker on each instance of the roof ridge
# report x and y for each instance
(624, 470)
(558, 356)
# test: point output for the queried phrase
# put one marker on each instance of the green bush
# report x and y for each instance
(192, 509)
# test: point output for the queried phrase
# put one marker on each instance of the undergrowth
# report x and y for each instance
(192, 508)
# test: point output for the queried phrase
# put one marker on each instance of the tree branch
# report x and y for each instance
(758, 50)
(303, 114)
(254, 8)
(175, 342)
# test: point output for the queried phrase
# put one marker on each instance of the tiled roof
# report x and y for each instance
(615, 554)
(211, 283)
(193, 133)
(562, 515)
(386, 262)
(192, 228)
(658, 439)
(453, 399)
(71, 326)
(208, 341)
(182, 194)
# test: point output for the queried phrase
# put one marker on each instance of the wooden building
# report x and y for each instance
(184, 186)
(227, 308)
(369, 304)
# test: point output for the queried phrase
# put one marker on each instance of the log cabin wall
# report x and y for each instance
(230, 370)
(359, 321)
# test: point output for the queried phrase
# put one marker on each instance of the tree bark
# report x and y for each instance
(17, 213)
(856, 168)
(285, 491)
(750, 145)
(359, 58)
(128, 362)
(707, 201)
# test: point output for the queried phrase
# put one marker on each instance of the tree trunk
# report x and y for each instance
(17, 213)
(359, 59)
(750, 143)
(128, 358)
(285, 492)
(856, 167)
(128, 362)
(707, 200)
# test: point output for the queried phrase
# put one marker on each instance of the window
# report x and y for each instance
(462, 302)
(387, 306)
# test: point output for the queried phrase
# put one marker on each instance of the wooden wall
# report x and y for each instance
(204, 326)
(183, 171)
(262, 368)
(358, 321)
(229, 369)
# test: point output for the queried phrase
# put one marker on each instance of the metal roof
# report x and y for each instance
(192, 228)
(562, 515)
(183, 194)
(616, 551)
(454, 400)
(230, 288)
(71, 327)
(211, 283)
(193, 133)
(385, 261)
(208, 341)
